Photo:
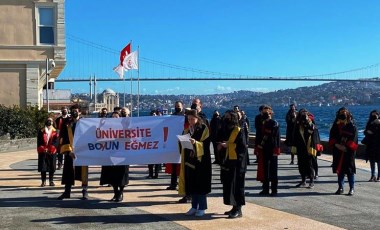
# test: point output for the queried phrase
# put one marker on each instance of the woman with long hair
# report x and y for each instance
(343, 142)
(371, 140)
(195, 175)
(233, 164)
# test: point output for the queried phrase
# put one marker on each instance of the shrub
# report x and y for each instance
(21, 122)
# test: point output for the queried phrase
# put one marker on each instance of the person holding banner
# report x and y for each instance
(233, 164)
(195, 175)
(71, 173)
(117, 176)
(343, 142)
(173, 169)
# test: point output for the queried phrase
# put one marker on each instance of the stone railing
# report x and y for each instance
(359, 153)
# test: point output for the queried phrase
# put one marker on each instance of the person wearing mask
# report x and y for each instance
(46, 141)
(195, 175)
(117, 176)
(125, 112)
(197, 105)
(268, 149)
(343, 142)
(103, 113)
(371, 140)
(173, 169)
(290, 119)
(215, 126)
(59, 122)
(71, 173)
(305, 141)
(234, 165)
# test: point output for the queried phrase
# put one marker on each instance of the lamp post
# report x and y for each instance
(52, 64)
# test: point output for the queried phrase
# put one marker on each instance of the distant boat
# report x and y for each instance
(320, 104)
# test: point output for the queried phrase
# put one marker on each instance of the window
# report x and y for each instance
(46, 25)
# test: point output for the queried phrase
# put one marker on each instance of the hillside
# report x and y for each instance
(333, 93)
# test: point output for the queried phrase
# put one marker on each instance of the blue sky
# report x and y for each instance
(255, 38)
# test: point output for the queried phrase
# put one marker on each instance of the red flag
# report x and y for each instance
(125, 52)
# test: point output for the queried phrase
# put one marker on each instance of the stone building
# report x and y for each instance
(32, 35)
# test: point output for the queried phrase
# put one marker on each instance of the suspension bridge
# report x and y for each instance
(97, 61)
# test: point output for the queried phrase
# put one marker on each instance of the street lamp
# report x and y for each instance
(51, 63)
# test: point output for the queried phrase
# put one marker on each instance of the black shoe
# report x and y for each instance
(311, 186)
(84, 195)
(235, 214)
(301, 184)
(59, 166)
(51, 183)
(372, 179)
(113, 198)
(120, 197)
(155, 177)
(64, 196)
(378, 179)
(149, 177)
(351, 192)
(43, 184)
(229, 212)
(184, 200)
(292, 163)
(274, 193)
(264, 192)
(339, 191)
(255, 162)
(171, 187)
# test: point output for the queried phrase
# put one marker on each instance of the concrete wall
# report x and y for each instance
(17, 145)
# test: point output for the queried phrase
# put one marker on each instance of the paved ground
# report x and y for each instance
(147, 205)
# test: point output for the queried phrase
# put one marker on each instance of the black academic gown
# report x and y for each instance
(233, 173)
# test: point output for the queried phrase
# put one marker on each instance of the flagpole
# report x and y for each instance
(138, 81)
(124, 89)
(131, 95)
(131, 112)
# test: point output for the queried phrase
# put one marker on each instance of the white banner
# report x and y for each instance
(127, 140)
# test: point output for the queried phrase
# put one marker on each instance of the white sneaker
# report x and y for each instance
(200, 213)
(191, 212)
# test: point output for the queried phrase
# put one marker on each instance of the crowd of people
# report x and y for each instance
(228, 135)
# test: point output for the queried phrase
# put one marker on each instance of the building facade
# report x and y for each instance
(32, 36)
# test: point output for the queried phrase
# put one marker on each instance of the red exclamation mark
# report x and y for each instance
(165, 135)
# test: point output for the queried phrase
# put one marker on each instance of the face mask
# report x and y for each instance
(193, 106)
(178, 110)
(75, 114)
(64, 113)
(342, 117)
(265, 116)
(48, 123)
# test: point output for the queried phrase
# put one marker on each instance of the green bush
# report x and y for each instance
(20, 122)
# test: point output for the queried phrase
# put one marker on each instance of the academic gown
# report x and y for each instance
(345, 134)
(233, 170)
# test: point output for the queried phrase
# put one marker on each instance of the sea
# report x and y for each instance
(324, 116)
